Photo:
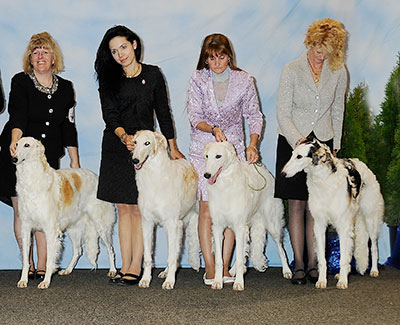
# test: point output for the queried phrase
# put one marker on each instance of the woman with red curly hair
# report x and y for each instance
(310, 103)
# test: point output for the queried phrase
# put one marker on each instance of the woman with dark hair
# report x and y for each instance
(310, 103)
(130, 93)
(41, 105)
(219, 96)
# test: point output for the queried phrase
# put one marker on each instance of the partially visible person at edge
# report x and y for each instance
(219, 96)
(2, 97)
(130, 93)
(41, 105)
(310, 103)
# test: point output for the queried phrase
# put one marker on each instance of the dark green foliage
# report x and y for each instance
(386, 147)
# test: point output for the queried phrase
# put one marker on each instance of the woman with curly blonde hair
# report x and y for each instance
(310, 103)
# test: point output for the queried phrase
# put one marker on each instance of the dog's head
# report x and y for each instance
(28, 149)
(310, 153)
(147, 144)
(218, 155)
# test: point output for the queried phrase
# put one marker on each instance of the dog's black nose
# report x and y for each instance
(135, 161)
(14, 160)
(283, 174)
(207, 175)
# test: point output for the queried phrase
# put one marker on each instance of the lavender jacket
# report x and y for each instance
(241, 100)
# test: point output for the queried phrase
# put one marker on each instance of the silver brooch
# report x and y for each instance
(143, 81)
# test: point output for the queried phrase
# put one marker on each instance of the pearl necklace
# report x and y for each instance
(136, 73)
(315, 75)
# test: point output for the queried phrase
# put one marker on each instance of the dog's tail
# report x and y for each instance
(193, 240)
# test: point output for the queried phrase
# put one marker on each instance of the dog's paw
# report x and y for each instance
(167, 285)
(341, 285)
(43, 285)
(22, 284)
(162, 275)
(238, 286)
(64, 272)
(374, 273)
(321, 284)
(144, 283)
(287, 275)
(112, 273)
(217, 285)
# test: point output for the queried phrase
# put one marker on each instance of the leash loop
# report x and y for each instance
(265, 180)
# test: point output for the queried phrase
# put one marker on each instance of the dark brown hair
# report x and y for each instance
(215, 44)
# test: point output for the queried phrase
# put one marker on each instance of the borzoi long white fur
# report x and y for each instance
(241, 197)
(346, 194)
(55, 201)
(167, 196)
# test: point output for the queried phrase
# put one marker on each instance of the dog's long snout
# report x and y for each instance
(135, 161)
(207, 175)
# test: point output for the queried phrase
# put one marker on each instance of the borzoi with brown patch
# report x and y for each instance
(55, 201)
(167, 197)
(346, 194)
(241, 197)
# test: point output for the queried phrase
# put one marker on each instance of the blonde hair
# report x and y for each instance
(46, 41)
(332, 37)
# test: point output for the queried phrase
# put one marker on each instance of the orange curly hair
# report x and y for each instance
(332, 37)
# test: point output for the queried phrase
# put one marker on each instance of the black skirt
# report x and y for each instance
(293, 188)
(117, 182)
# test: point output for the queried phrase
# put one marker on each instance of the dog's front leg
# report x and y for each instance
(174, 232)
(346, 248)
(147, 227)
(53, 240)
(241, 234)
(219, 267)
(26, 243)
(319, 233)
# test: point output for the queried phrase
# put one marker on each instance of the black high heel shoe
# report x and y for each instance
(40, 274)
(311, 278)
(117, 278)
(32, 274)
(299, 280)
(129, 282)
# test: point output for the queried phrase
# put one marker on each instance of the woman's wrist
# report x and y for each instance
(122, 137)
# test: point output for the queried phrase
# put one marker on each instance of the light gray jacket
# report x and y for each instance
(303, 106)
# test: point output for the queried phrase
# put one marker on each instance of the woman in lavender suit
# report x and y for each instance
(219, 96)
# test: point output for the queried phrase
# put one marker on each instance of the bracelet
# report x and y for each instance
(122, 137)
(212, 129)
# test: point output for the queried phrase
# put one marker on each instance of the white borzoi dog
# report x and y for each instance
(240, 197)
(167, 197)
(346, 194)
(55, 201)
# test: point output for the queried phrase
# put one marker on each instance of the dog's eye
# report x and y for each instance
(134, 142)
(206, 156)
(299, 156)
(218, 156)
(26, 145)
(147, 143)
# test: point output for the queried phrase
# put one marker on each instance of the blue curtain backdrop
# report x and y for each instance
(265, 36)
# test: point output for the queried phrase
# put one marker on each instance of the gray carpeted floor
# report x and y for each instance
(85, 297)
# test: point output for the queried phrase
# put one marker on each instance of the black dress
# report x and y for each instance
(48, 118)
(133, 109)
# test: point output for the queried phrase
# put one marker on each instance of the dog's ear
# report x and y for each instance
(230, 147)
(160, 140)
(314, 153)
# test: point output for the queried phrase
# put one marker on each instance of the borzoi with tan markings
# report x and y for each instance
(241, 198)
(167, 197)
(55, 201)
(345, 194)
